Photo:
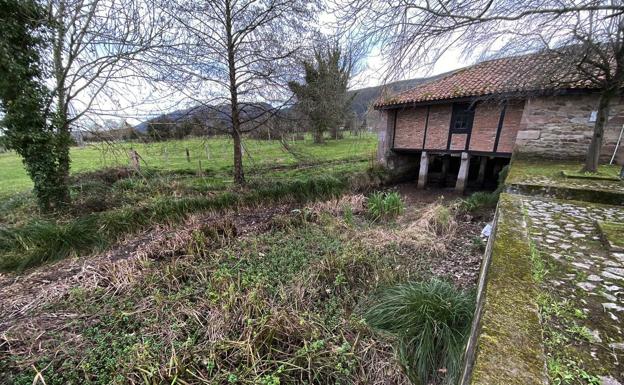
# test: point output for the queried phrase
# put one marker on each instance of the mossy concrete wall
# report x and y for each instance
(506, 342)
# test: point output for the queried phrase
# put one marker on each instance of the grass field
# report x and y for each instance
(215, 155)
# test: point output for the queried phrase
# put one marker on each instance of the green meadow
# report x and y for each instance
(214, 155)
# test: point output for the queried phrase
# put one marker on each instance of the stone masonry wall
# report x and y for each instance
(559, 127)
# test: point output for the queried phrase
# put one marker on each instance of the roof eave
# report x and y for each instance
(491, 96)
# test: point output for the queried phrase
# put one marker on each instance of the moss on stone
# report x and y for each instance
(613, 233)
(523, 169)
(546, 178)
(590, 175)
(509, 349)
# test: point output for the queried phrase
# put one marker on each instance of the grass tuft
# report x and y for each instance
(431, 321)
(383, 206)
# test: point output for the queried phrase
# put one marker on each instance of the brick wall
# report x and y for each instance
(458, 141)
(558, 126)
(484, 126)
(410, 128)
(511, 125)
(438, 128)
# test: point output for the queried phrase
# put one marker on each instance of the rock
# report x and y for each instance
(615, 270)
(612, 306)
(608, 274)
(581, 265)
(587, 286)
(594, 278)
(608, 380)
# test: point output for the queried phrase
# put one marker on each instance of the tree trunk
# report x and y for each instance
(60, 191)
(318, 135)
(593, 152)
(239, 176)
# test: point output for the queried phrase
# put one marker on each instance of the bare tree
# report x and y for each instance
(586, 36)
(236, 56)
(96, 46)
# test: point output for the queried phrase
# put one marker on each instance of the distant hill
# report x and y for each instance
(213, 116)
(365, 97)
(210, 116)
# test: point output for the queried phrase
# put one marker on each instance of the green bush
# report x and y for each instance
(385, 205)
(431, 322)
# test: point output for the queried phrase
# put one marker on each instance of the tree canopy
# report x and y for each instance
(323, 98)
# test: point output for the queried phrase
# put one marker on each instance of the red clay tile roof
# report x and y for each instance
(519, 74)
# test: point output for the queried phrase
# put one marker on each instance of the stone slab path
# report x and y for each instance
(582, 272)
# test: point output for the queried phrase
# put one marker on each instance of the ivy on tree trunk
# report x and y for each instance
(23, 97)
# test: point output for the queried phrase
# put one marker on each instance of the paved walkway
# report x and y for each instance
(583, 273)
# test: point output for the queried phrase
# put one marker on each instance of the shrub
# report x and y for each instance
(431, 322)
(482, 199)
(385, 205)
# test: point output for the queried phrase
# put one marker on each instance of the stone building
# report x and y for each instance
(466, 125)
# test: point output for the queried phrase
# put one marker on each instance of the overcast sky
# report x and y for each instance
(139, 102)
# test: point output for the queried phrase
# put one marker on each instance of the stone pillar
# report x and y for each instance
(482, 164)
(424, 170)
(463, 172)
(385, 131)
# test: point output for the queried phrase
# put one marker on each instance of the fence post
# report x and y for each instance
(188, 156)
(200, 172)
(134, 160)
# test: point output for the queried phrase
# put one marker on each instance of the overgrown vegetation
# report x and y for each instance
(44, 240)
(24, 121)
(431, 321)
(285, 306)
(111, 204)
(562, 329)
(486, 200)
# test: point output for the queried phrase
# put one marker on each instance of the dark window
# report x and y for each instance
(462, 117)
